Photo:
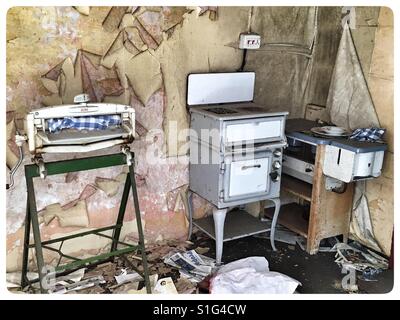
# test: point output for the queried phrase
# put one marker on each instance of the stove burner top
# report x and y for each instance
(221, 111)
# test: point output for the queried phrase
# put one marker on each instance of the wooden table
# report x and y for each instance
(329, 214)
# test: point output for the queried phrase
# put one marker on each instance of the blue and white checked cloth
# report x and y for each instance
(83, 123)
(368, 134)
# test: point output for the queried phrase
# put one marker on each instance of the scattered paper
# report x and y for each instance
(125, 277)
(153, 281)
(84, 284)
(165, 286)
(202, 250)
(192, 265)
(353, 257)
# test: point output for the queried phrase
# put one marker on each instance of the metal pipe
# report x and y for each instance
(15, 168)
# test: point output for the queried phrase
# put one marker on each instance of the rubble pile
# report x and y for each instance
(174, 267)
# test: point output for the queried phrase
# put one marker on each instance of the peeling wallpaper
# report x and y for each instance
(141, 56)
(378, 66)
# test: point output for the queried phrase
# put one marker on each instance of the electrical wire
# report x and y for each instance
(15, 168)
(249, 22)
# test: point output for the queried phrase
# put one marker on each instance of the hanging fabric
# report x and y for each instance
(349, 101)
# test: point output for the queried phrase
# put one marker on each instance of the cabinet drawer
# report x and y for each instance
(254, 129)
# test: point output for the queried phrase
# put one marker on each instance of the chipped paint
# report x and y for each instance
(56, 53)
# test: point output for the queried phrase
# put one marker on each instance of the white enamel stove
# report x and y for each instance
(235, 144)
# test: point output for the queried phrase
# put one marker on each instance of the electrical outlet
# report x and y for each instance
(82, 98)
(249, 41)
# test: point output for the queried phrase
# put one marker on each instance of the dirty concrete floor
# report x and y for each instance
(317, 273)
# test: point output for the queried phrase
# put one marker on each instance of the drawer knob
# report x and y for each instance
(277, 153)
(274, 176)
(276, 165)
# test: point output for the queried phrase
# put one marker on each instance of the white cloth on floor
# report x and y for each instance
(251, 275)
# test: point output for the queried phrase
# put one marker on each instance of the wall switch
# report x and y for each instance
(249, 41)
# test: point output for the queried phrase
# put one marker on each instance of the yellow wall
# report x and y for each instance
(152, 78)
(138, 56)
(380, 81)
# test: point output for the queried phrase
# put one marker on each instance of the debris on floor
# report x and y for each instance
(326, 245)
(106, 270)
(123, 275)
(165, 286)
(191, 265)
(370, 274)
(251, 275)
(126, 288)
(58, 285)
(133, 287)
(14, 279)
(202, 250)
(185, 286)
(66, 287)
(181, 267)
(355, 256)
(282, 234)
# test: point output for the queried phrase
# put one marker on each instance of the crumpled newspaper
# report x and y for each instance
(351, 257)
(191, 265)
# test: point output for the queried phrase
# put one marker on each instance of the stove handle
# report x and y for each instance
(253, 166)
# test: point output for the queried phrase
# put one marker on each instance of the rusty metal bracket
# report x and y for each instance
(42, 169)
(127, 152)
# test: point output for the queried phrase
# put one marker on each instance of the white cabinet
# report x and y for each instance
(346, 165)
(257, 130)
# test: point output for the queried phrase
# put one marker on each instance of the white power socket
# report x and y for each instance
(82, 98)
(249, 41)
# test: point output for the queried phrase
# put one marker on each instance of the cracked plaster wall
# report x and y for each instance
(133, 55)
(377, 56)
(282, 75)
(141, 56)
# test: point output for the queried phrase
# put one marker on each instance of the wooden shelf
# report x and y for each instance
(291, 217)
(297, 187)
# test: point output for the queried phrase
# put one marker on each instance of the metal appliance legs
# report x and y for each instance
(219, 221)
(190, 214)
(277, 203)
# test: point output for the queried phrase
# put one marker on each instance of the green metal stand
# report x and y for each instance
(31, 220)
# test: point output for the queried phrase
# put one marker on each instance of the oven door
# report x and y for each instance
(247, 176)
